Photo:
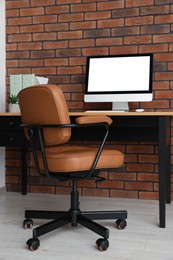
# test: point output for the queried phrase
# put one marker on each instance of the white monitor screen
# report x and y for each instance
(119, 78)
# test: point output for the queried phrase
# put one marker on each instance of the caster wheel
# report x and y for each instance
(102, 244)
(33, 244)
(121, 223)
(27, 223)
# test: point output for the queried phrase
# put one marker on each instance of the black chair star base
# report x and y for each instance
(75, 217)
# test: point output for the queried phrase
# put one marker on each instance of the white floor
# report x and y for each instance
(141, 239)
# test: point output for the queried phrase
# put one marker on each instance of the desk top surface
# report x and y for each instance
(108, 113)
(111, 113)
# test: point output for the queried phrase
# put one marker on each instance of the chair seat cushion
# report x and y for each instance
(80, 158)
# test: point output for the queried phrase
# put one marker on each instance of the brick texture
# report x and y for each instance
(52, 38)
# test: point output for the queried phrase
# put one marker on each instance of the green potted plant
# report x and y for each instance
(13, 103)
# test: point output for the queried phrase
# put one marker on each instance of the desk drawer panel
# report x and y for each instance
(9, 123)
(12, 139)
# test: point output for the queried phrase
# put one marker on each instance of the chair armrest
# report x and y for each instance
(79, 122)
(35, 135)
(86, 124)
(93, 119)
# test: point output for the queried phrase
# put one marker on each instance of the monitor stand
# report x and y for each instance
(120, 106)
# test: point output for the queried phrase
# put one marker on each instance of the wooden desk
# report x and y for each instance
(127, 126)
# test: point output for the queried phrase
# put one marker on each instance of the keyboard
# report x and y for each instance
(105, 111)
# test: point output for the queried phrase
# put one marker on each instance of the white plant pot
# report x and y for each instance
(14, 108)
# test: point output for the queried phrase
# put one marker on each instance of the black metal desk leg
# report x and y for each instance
(24, 151)
(168, 160)
(164, 168)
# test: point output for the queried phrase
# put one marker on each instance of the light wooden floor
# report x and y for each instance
(142, 238)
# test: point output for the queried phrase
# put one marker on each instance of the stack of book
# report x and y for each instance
(20, 81)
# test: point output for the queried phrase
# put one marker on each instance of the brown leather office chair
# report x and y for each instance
(47, 125)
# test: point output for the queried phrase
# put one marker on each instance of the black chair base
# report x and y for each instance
(75, 217)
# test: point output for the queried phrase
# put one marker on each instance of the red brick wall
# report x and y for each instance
(53, 37)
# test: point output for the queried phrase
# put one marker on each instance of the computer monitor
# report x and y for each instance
(119, 79)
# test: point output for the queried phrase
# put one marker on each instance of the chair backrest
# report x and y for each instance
(45, 104)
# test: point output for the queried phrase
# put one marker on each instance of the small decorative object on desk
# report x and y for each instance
(20, 81)
(13, 104)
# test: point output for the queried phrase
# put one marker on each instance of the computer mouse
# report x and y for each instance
(139, 110)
